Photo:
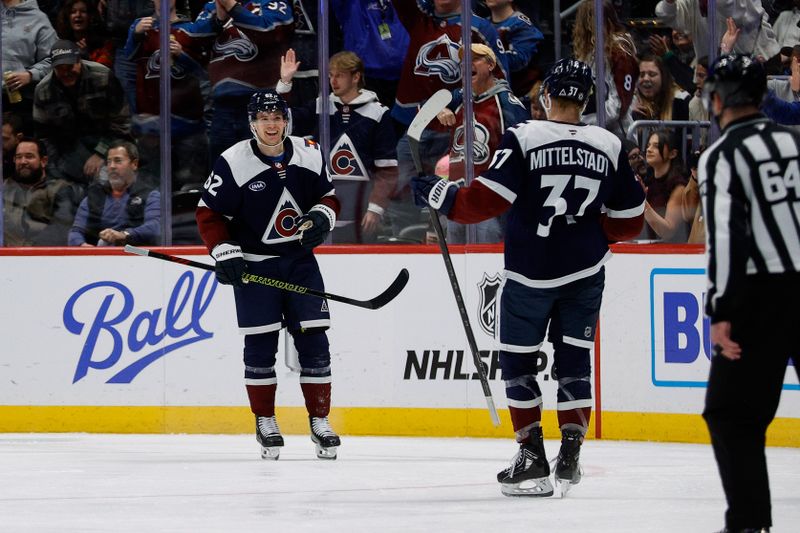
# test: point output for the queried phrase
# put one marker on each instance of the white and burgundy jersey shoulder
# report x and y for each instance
(562, 182)
(256, 200)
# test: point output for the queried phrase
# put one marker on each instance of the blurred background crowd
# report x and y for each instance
(83, 135)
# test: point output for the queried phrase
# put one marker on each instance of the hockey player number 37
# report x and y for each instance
(558, 184)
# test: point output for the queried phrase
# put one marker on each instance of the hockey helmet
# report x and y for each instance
(738, 79)
(569, 79)
(266, 102)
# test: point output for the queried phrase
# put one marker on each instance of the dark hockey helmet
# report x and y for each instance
(569, 79)
(266, 102)
(738, 79)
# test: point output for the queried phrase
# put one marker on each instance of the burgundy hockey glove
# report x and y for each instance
(435, 192)
(230, 265)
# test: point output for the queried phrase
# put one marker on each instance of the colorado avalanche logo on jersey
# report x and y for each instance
(154, 68)
(480, 149)
(281, 227)
(487, 316)
(439, 58)
(240, 47)
(345, 163)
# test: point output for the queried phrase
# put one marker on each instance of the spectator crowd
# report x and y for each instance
(81, 120)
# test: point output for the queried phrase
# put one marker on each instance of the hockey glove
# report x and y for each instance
(230, 265)
(315, 225)
(434, 191)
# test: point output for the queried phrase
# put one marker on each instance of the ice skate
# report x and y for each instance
(529, 473)
(324, 437)
(269, 437)
(568, 469)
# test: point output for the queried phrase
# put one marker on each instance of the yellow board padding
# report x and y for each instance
(405, 422)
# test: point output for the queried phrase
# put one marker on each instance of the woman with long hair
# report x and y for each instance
(621, 64)
(80, 22)
(665, 183)
(657, 96)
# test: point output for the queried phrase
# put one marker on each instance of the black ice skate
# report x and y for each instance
(323, 436)
(568, 468)
(269, 437)
(529, 473)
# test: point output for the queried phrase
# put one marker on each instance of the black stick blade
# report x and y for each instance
(391, 292)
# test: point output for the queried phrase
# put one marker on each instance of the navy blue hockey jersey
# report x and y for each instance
(559, 179)
(262, 199)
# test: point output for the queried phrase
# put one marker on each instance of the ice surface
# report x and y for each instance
(218, 483)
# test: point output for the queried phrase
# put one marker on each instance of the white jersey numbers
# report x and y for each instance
(559, 194)
(500, 157)
(212, 183)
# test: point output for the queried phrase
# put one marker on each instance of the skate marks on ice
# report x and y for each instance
(202, 483)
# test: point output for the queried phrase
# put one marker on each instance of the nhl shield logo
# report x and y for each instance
(487, 314)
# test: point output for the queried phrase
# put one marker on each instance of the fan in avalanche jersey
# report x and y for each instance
(268, 202)
(570, 191)
(363, 157)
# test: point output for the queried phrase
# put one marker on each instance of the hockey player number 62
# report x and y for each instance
(212, 183)
(558, 184)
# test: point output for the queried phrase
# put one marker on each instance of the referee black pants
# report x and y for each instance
(743, 395)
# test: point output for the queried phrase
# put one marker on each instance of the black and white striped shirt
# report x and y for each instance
(750, 184)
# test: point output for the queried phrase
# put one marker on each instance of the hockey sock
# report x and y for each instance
(262, 398)
(524, 421)
(317, 397)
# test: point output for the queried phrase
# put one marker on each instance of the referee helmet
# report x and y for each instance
(738, 79)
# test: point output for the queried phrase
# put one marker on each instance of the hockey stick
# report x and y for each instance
(375, 303)
(426, 114)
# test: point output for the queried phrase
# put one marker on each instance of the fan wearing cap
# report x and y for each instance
(431, 64)
(567, 190)
(79, 109)
(495, 109)
(267, 203)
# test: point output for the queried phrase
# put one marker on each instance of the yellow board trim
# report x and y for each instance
(405, 422)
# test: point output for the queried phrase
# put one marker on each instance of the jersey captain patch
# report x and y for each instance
(281, 227)
(345, 163)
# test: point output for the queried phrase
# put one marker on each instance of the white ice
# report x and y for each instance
(218, 483)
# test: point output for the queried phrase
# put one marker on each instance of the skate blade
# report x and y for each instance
(536, 488)
(271, 452)
(326, 453)
(563, 487)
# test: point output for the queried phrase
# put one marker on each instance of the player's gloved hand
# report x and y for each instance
(314, 226)
(434, 191)
(230, 265)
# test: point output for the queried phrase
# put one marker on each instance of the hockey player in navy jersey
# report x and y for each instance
(569, 190)
(268, 202)
(363, 157)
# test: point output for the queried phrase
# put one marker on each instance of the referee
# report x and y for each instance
(750, 184)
